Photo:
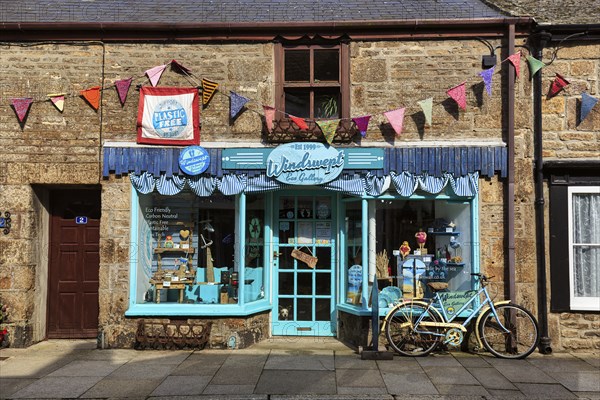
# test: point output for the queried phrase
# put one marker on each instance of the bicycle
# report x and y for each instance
(416, 327)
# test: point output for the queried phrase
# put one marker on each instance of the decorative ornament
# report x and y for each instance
(421, 237)
(58, 100)
(169, 242)
(396, 119)
(328, 128)
(587, 103)
(21, 106)
(300, 122)
(558, 84)
(515, 60)
(427, 107)
(236, 103)
(404, 249)
(92, 96)
(269, 116)
(208, 90)
(177, 67)
(458, 93)
(534, 65)
(123, 89)
(155, 73)
(5, 222)
(487, 75)
(362, 123)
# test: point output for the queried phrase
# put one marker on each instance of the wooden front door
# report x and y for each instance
(74, 264)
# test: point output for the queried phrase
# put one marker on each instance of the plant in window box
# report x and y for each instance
(327, 107)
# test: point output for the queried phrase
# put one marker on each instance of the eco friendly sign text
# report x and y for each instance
(305, 163)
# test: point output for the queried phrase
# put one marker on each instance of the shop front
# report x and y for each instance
(300, 231)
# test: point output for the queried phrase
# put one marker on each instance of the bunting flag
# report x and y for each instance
(396, 118)
(58, 99)
(236, 103)
(587, 103)
(21, 106)
(487, 75)
(534, 65)
(176, 66)
(459, 94)
(208, 90)
(92, 95)
(558, 84)
(362, 123)
(269, 117)
(123, 89)
(300, 122)
(328, 128)
(427, 106)
(515, 60)
(155, 73)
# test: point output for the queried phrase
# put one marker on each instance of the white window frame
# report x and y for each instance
(578, 303)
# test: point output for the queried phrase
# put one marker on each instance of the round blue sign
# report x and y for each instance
(194, 160)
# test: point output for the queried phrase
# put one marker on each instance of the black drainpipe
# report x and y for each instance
(545, 342)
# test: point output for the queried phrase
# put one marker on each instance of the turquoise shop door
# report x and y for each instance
(304, 287)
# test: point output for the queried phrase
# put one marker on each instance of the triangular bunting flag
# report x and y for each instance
(487, 75)
(587, 103)
(92, 95)
(534, 65)
(557, 85)
(176, 66)
(328, 128)
(427, 106)
(269, 117)
(300, 122)
(515, 60)
(236, 103)
(458, 93)
(396, 118)
(58, 99)
(362, 123)
(155, 73)
(21, 106)
(208, 90)
(123, 89)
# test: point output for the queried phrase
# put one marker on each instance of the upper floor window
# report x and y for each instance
(312, 82)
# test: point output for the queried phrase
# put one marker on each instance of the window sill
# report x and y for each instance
(196, 310)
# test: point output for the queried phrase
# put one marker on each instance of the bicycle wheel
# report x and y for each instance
(522, 339)
(402, 335)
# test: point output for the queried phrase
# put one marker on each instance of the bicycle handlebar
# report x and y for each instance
(482, 277)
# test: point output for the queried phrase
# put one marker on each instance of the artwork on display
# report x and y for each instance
(168, 116)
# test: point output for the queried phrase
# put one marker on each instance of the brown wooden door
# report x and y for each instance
(74, 264)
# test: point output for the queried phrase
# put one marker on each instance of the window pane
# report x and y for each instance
(254, 288)
(586, 244)
(587, 274)
(297, 102)
(297, 66)
(327, 103)
(323, 312)
(304, 312)
(327, 65)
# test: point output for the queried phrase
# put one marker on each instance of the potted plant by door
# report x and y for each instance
(3, 318)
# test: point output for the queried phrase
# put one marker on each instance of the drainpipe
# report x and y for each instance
(510, 190)
(545, 341)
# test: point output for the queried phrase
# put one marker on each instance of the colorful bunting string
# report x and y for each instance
(176, 66)
(58, 100)
(21, 106)
(362, 123)
(557, 85)
(123, 89)
(534, 65)
(155, 73)
(396, 118)
(427, 107)
(208, 90)
(237, 102)
(587, 103)
(459, 94)
(92, 95)
(515, 60)
(300, 122)
(328, 128)
(269, 116)
(487, 75)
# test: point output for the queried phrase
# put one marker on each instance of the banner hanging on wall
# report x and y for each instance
(168, 116)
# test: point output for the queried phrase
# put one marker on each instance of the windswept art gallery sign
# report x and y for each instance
(168, 116)
(305, 163)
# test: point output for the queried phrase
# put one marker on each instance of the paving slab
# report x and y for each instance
(31, 367)
(204, 367)
(359, 378)
(150, 369)
(545, 391)
(8, 386)
(299, 361)
(490, 378)
(348, 390)
(296, 382)
(462, 390)
(561, 362)
(333, 397)
(165, 356)
(399, 364)
(229, 389)
(588, 395)
(348, 361)
(409, 384)
(579, 381)
(88, 368)
(181, 386)
(471, 360)
(505, 394)
(238, 375)
(247, 360)
(524, 373)
(591, 358)
(438, 361)
(450, 375)
(213, 397)
(57, 387)
(122, 388)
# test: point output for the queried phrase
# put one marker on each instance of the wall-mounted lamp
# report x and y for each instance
(488, 61)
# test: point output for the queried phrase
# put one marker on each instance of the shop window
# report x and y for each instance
(584, 247)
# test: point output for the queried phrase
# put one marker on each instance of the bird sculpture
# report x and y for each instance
(404, 249)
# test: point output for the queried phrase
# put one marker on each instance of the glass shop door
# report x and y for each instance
(304, 264)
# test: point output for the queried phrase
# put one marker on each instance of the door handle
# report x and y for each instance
(276, 254)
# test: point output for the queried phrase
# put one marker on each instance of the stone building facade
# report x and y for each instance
(54, 150)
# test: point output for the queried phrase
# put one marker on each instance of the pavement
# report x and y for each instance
(287, 369)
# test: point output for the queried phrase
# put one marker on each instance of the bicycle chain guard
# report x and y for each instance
(454, 337)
